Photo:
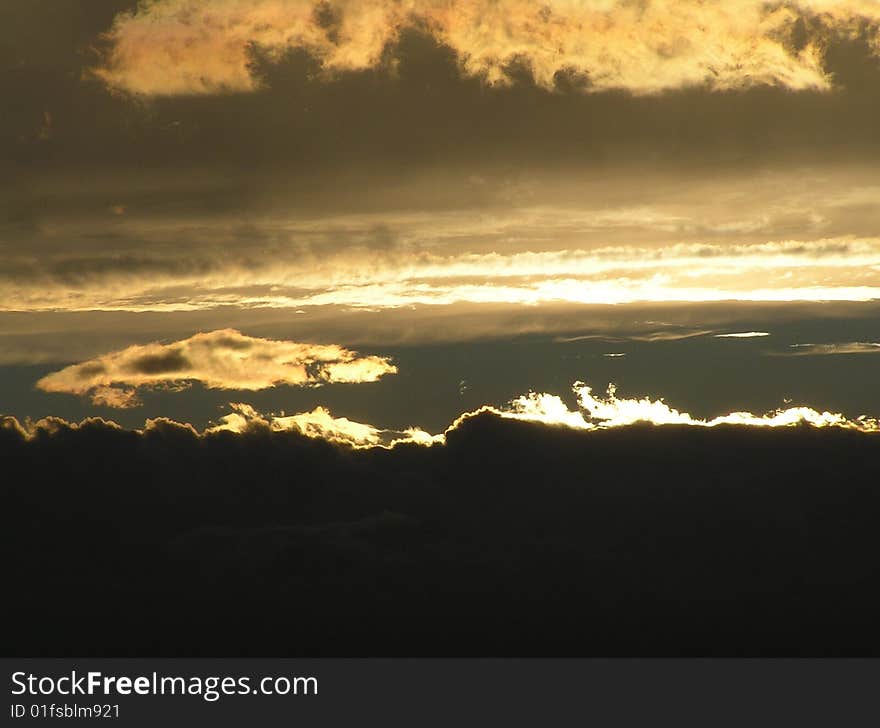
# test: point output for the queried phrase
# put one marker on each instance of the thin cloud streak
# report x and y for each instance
(851, 347)
(844, 269)
(674, 333)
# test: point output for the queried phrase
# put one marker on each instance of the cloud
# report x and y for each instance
(612, 411)
(116, 397)
(673, 333)
(527, 539)
(168, 47)
(851, 347)
(577, 242)
(228, 359)
(222, 359)
(601, 413)
(319, 423)
(421, 272)
(593, 414)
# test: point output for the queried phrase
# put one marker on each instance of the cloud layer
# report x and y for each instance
(594, 413)
(788, 235)
(189, 47)
(525, 539)
(824, 269)
(222, 359)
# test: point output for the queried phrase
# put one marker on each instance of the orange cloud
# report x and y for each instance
(194, 47)
(223, 359)
(826, 269)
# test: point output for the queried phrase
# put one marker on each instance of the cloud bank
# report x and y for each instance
(222, 359)
(524, 539)
(169, 47)
(594, 413)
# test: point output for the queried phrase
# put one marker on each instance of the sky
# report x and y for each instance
(363, 219)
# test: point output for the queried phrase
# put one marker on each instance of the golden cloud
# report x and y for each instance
(192, 47)
(319, 423)
(223, 359)
(833, 269)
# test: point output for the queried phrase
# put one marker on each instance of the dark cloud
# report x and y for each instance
(511, 539)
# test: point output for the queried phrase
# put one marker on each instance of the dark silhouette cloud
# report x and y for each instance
(513, 538)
